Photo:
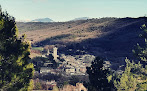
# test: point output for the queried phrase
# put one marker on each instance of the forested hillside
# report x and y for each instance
(111, 38)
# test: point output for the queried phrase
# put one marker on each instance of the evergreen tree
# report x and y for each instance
(98, 76)
(15, 70)
(133, 78)
(141, 52)
(126, 81)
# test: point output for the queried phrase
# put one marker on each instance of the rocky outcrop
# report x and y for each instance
(78, 87)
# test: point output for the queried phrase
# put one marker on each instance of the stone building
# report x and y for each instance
(45, 70)
(83, 69)
(70, 70)
(54, 54)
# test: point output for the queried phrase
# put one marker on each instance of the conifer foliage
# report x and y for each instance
(98, 76)
(15, 70)
(134, 77)
(141, 52)
(127, 81)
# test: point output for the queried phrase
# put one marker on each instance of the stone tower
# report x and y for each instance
(48, 52)
(55, 53)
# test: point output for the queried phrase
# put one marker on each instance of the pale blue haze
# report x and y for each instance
(64, 10)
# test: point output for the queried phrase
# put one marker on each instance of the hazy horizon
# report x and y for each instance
(65, 10)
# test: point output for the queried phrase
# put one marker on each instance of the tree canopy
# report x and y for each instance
(141, 52)
(15, 69)
(134, 78)
(98, 76)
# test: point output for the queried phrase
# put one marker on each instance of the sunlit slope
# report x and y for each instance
(108, 37)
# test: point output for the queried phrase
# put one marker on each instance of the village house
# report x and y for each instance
(45, 70)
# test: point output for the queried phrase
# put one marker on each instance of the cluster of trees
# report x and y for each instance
(15, 69)
(39, 62)
(134, 77)
(98, 76)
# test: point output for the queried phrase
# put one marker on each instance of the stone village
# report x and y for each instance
(72, 65)
(67, 66)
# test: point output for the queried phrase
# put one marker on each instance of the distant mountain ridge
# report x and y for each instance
(81, 18)
(42, 20)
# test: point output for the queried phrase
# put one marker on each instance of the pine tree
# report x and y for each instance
(127, 81)
(133, 79)
(15, 70)
(98, 76)
(141, 52)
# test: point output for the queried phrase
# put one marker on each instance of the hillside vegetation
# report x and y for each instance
(111, 38)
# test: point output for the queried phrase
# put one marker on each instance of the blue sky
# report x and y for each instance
(64, 10)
